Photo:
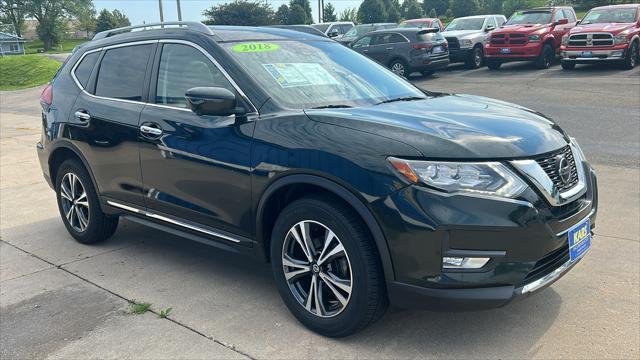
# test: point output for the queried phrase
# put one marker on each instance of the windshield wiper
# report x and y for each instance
(404, 98)
(333, 106)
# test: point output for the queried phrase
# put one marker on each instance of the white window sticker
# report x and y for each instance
(299, 74)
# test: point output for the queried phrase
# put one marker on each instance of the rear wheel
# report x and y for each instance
(399, 67)
(326, 267)
(79, 205)
(494, 64)
(475, 59)
(631, 60)
(568, 65)
(546, 57)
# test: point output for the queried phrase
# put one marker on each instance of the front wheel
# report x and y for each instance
(568, 65)
(546, 57)
(631, 59)
(326, 267)
(494, 64)
(475, 58)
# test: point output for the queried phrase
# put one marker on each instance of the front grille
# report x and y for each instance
(509, 39)
(454, 44)
(590, 40)
(550, 166)
(547, 264)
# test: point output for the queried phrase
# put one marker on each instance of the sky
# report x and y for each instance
(140, 11)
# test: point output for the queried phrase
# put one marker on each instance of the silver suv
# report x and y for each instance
(467, 37)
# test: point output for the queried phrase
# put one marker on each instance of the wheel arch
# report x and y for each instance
(271, 199)
(63, 151)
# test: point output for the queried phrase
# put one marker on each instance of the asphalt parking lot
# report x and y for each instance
(62, 299)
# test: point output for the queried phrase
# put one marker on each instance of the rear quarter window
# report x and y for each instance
(85, 67)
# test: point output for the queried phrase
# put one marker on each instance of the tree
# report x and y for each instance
(120, 19)
(87, 19)
(306, 6)
(12, 11)
(282, 15)
(433, 14)
(329, 13)
(372, 11)
(441, 6)
(393, 10)
(412, 10)
(464, 7)
(349, 14)
(297, 15)
(105, 21)
(240, 12)
(50, 15)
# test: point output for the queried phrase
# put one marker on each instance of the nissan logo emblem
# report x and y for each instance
(564, 170)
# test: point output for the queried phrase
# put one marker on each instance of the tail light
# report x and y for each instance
(420, 46)
(46, 97)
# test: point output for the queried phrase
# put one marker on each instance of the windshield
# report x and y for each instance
(612, 15)
(465, 24)
(414, 24)
(321, 27)
(355, 31)
(532, 17)
(303, 75)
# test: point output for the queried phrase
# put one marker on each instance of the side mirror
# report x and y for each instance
(579, 21)
(333, 33)
(489, 28)
(562, 22)
(216, 101)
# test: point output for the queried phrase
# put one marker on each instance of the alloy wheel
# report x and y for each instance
(634, 55)
(477, 57)
(317, 268)
(75, 202)
(398, 69)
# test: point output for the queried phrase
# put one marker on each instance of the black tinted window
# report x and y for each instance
(183, 67)
(83, 71)
(122, 70)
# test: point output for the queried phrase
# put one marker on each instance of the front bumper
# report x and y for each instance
(526, 239)
(460, 55)
(527, 52)
(578, 56)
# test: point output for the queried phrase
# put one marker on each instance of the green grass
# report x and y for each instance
(139, 308)
(65, 46)
(25, 71)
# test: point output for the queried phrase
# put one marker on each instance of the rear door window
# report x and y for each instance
(363, 42)
(183, 67)
(84, 68)
(122, 72)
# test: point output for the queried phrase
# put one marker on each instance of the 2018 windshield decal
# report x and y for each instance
(251, 47)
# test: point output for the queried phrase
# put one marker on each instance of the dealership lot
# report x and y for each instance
(61, 299)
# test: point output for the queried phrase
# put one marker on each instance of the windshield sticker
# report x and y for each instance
(299, 74)
(251, 47)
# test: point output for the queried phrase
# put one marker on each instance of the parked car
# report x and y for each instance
(359, 188)
(467, 37)
(302, 28)
(434, 23)
(362, 29)
(530, 35)
(605, 34)
(334, 29)
(405, 51)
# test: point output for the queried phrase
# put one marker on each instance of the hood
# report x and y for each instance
(524, 28)
(460, 33)
(606, 27)
(454, 126)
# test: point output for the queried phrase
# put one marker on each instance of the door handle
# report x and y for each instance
(82, 116)
(152, 131)
(365, 50)
(389, 48)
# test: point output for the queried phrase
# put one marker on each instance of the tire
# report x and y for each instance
(494, 64)
(631, 60)
(546, 57)
(79, 205)
(568, 65)
(358, 266)
(427, 72)
(476, 58)
(400, 68)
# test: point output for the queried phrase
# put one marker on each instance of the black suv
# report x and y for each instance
(357, 186)
(405, 51)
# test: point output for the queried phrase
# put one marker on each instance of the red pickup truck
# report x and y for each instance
(530, 35)
(605, 34)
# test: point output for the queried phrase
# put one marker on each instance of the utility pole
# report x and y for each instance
(160, 7)
(179, 10)
(319, 11)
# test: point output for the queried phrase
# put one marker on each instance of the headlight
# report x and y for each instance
(565, 40)
(534, 38)
(620, 39)
(576, 146)
(466, 43)
(491, 178)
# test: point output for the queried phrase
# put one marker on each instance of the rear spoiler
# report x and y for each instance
(427, 31)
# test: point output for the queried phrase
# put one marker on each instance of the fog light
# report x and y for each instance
(464, 263)
(616, 54)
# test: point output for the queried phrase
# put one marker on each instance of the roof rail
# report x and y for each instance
(191, 25)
